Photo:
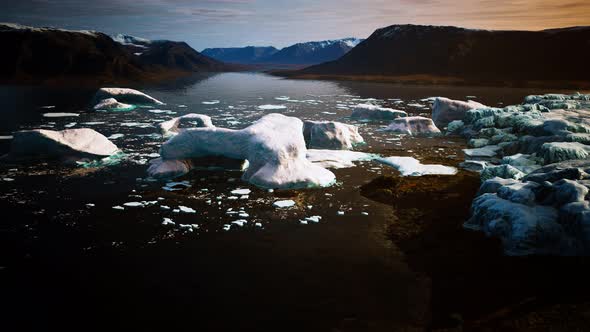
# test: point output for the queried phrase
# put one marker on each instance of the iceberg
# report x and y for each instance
(446, 110)
(274, 147)
(330, 135)
(77, 143)
(413, 125)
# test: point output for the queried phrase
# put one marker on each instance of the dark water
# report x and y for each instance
(66, 264)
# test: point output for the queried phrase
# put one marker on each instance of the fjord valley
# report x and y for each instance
(426, 178)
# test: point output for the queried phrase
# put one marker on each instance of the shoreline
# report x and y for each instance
(421, 79)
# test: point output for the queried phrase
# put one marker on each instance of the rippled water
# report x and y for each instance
(65, 242)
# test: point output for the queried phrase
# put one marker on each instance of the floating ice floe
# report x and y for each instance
(409, 166)
(271, 107)
(417, 105)
(282, 98)
(125, 95)
(331, 135)
(111, 104)
(313, 219)
(337, 158)
(240, 222)
(116, 136)
(376, 113)
(168, 222)
(186, 209)
(6, 137)
(76, 143)
(273, 145)
(118, 207)
(241, 191)
(212, 102)
(284, 203)
(60, 115)
(167, 112)
(134, 204)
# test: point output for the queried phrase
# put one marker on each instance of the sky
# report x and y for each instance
(227, 23)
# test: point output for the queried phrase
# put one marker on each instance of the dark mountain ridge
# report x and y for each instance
(466, 55)
(49, 55)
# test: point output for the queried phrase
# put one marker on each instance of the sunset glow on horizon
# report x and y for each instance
(222, 23)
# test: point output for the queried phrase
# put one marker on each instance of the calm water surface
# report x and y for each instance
(70, 260)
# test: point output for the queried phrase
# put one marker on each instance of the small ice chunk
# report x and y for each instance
(116, 136)
(118, 207)
(284, 203)
(258, 224)
(186, 209)
(59, 115)
(212, 102)
(134, 204)
(90, 205)
(240, 222)
(365, 213)
(241, 191)
(314, 219)
(271, 107)
(340, 213)
(164, 207)
(409, 166)
(167, 222)
(226, 227)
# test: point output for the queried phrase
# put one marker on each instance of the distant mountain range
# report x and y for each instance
(300, 54)
(451, 54)
(57, 55)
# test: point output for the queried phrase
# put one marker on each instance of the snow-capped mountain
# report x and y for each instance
(248, 54)
(301, 53)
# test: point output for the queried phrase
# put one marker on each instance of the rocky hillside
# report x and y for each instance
(54, 55)
(468, 55)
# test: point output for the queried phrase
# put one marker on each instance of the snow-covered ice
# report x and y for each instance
(409, 166)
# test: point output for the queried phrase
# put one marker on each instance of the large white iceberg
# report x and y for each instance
(125, 95)
(409, 166)
(446, 110)
(413, 125)
(274, 147)
(330, 135)
(376, 113)
(41, 143)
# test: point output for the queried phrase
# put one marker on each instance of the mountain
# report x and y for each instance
(246, 55)
(313, 52)
(298, 54)
(169, 54)
(51, 55)
(407, 52)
